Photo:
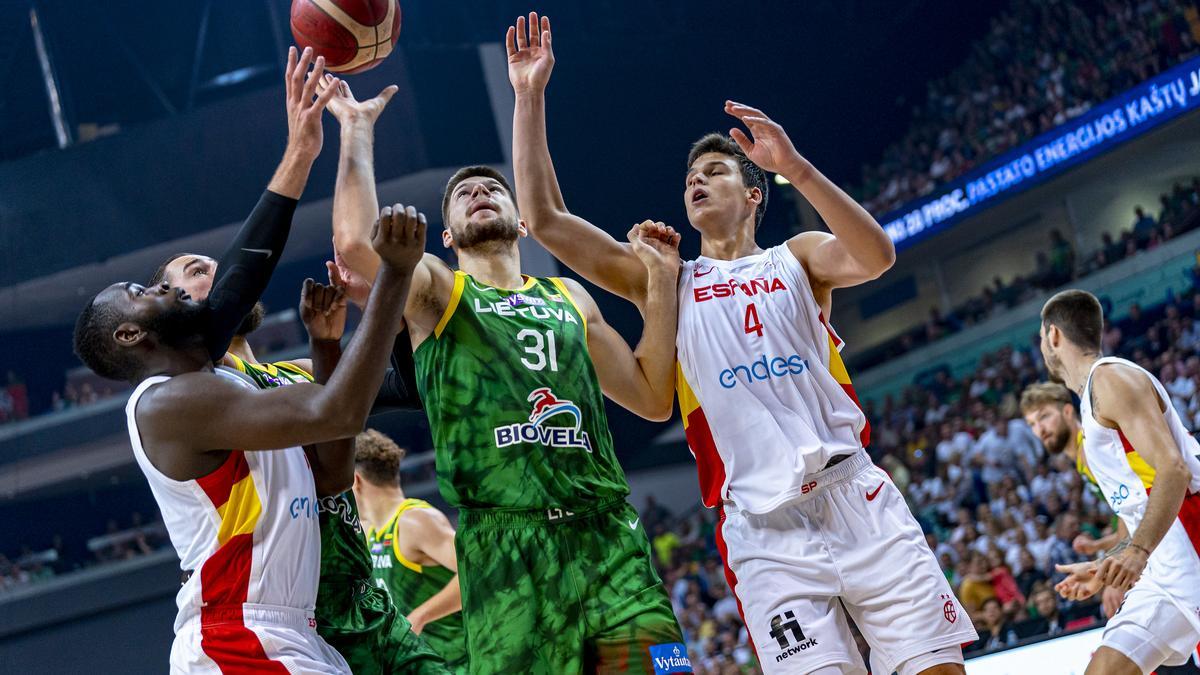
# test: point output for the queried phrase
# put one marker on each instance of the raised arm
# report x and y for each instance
(426, 537)
(323, 311)
(858, 249)
(246, 267)
(588, 250)
(355, 202)
(1125, 399)
(200, 413)
(641, 380)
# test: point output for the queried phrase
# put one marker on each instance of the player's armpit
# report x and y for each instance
(201, 412)
(827, 261)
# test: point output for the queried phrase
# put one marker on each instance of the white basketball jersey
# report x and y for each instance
(765, 397)
(1174, 566)
(248, 530)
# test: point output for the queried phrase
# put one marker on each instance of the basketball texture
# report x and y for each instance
(352, 35)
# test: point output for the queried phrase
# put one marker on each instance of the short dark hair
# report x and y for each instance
(95, 346)
(471, 172)
(378, 458)
(752, 175)
(160, 274)
(1078, 315)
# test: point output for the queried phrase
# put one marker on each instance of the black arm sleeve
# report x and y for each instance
(399, 388)
(245, 269)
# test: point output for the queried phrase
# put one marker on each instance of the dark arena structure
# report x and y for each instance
(976, 455)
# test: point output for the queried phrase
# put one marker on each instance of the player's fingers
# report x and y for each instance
(546, 32)
(287, 71)
(741, 139)
(306, 292)
(325, 97)
(410, 224)
(387, 94)
(399, 216)
(522, 40)
(310, 82)
(335, 277)
(300, 71)
(535, 35)
(510, 41)
(421, 227)
(741, 109)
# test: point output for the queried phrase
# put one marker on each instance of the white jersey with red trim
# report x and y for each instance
(248, 531)
(1174, 565)
(765, 397)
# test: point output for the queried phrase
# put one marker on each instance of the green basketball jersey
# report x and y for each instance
(411, 584)
(514, 405)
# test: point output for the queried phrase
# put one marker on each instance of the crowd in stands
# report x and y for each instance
(14, 398)
(29, 566)
(1040, 64)
(1059, 264)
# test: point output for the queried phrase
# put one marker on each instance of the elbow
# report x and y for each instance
(657, 411)
(885, 260)
(349, 245)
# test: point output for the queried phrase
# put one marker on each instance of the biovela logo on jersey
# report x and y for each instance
(670, 658)
(762, 369)
(546, 406)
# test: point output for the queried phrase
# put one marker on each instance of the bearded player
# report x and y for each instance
(808, 524)
(354, 616)
(554, 567)
(1051, 414)
(1126, 409)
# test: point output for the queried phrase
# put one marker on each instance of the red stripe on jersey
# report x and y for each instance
(709, 467)
(730, 577)
(218, 484)
(1189, 515)
(1125, 442)
(224, 637)
(864, 436)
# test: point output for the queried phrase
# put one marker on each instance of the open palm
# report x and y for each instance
(768, 145)
(530, 54)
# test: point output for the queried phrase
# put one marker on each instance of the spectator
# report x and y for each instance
(976, 587)
(1048, 620)
(1143, 224)
(995, 632)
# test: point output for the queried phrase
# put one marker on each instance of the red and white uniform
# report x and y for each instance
(767, 403)
(250, 535)
(1159, 622)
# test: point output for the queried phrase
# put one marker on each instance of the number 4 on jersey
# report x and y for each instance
(753, 324)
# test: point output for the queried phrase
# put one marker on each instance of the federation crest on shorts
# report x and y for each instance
(547, 406)
(949, 610)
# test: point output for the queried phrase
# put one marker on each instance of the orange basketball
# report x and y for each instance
(352, 35)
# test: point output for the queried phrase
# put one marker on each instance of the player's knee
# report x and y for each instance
(1109, 661)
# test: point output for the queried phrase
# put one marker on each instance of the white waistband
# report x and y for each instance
(824, 479)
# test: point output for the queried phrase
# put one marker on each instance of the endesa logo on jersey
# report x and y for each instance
(728, 289)
(546, 406)
(765, 368)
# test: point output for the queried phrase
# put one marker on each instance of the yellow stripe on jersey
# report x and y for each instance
(460, 280)
(1140, 467)
(687, 398)
(240, 513)
(837, 367)
(562, 288)
(405, 506)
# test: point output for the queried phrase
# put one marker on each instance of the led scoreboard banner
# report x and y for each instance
(1103, 127)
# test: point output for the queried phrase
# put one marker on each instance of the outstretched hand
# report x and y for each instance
(358, 287)
(1082, 582)
(323, 310)
(399, 237)
(348, 109)
(304, 106)
(530, 54)
(768, 146)
(656, 245)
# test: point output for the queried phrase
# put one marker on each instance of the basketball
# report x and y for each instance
(352, 35)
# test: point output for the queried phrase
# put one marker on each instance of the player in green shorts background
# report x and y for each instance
(554, 566)
(412, 548)
(353, 615)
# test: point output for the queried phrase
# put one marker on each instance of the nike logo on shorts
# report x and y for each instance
(633, 523)
(265, 251)
(874, 493)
